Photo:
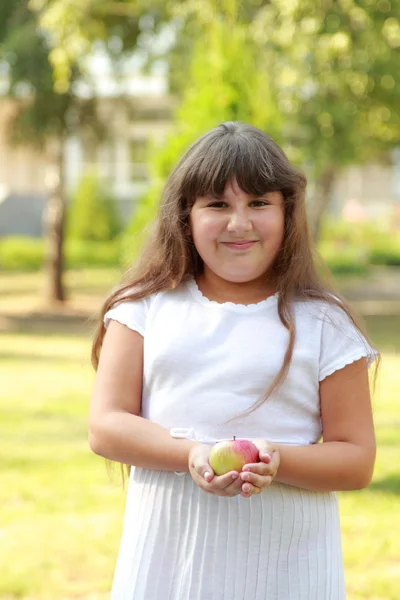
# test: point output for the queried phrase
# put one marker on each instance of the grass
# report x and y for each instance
(370, 517)
(61, 516)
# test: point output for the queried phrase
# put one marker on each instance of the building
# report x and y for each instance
(134, 125)
(361, 193)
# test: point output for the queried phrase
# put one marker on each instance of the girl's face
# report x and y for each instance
(237, 235)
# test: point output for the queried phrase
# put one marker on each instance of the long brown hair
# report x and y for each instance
(244, 153)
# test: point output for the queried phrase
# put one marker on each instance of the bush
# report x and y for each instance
(27, 254)
(93, 215)
(353, 234)
(21, 254)
(387, 253)
(92, 254)
(343, 259)
(135, 234)
(343, 242)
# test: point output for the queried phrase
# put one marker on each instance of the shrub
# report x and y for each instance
(91, 254)
(343, 242)
(19, 253)
(93, 214)
(343, 259)
(27, 254)
(387, 253)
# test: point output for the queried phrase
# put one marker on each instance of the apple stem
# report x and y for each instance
(234, 437)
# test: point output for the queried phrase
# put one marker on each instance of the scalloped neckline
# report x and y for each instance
(198, 295)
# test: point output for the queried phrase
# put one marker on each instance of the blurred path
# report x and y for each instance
(377, 294)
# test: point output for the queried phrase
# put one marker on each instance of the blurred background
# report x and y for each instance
(98, 100)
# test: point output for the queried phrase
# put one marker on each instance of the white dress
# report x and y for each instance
(206, 362)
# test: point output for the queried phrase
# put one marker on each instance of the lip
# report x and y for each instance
(240, 244)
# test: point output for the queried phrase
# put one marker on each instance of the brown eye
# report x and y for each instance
(216, 204)
(258, 203)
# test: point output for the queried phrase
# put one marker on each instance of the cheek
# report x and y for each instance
(205, 227)
(273, 225)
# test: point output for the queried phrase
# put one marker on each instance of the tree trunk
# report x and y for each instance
(54, 223)
(321, 199)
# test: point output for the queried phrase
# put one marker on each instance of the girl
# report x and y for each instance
(224, 329)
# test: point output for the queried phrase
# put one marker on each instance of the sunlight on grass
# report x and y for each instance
(77, 281)
(61, 516)
(370, 517)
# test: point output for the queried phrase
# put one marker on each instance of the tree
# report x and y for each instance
(93, 213)
(310, 83)
(329, 65)
(122, 26)
(126, 26)
(225, 83)
(42, 118)
(333, 64)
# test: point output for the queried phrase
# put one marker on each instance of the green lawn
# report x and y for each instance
(61, 516)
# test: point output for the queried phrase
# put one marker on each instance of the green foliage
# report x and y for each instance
(27, 254)
(93, 214)
(318, 84)
(363, 234)
(387, 253)
(317, 75)
(42, 107)
(352, 247)
(368, 243)
(119, 26)
(343, 259)
(225, 83)
(20, 253)
(79, 254)
(332, 65)
(44, 113)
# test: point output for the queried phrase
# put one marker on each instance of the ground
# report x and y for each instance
(61, 513)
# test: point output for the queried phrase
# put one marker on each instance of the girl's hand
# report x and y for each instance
(202, 474)
(256, 476)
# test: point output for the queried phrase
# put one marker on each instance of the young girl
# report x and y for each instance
(224, 329)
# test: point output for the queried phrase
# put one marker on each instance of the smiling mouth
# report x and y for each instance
(240, 244)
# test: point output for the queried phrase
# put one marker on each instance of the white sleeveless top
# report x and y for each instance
(204, 363)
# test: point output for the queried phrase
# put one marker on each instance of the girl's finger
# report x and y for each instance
(234, 488)
(265, 449)
(256, 480)
(208, 475)
(220, 482)
(259, 469)
(266, 457)
(250, 490)
(265, 466)
(204, 471)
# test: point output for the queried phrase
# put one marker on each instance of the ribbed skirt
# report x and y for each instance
(179, 543)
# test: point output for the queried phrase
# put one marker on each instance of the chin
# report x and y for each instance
(240, 277)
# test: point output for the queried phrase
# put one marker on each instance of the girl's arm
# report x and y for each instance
(116, 431)
(345, 460)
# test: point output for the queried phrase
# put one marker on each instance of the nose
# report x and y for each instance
(239, 222)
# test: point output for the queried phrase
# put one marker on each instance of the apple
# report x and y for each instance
(232, 455)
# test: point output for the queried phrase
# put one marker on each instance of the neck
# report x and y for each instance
(248, 292)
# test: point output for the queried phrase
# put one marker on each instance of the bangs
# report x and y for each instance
(217, 160)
